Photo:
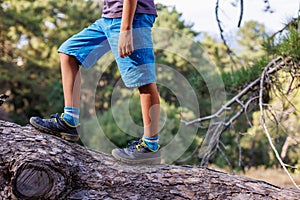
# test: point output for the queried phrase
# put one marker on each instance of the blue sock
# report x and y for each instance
(152, 142)
(71, 115)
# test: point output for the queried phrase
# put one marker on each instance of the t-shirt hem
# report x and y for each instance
(119, 15)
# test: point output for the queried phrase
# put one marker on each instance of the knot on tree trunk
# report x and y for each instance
(36, 179)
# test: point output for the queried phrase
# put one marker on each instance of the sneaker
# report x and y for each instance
(137, 153)
(56, 125)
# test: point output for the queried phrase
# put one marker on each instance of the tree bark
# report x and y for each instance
(34, 165)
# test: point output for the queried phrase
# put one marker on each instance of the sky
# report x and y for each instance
(202, 13)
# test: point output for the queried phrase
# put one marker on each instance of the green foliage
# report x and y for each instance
(248, 40)
(217, 52)
(285, 42)
(170, 18)
(236, 80)
(250, 37)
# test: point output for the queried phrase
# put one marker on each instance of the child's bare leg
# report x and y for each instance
(71, 79)
(151, 111)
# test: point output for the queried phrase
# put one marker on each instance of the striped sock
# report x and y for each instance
(71, 115)
(152, 142)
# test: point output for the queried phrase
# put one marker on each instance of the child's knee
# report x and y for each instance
(148, 87)
(65, 58)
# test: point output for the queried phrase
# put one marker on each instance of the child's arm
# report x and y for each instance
(129, 7)
(125, 46)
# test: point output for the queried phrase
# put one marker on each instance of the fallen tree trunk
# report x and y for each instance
(34, 165)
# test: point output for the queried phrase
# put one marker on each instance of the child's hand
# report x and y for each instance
(125, 46)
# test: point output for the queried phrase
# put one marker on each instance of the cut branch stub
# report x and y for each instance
(37, 179)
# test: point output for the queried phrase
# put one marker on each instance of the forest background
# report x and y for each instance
(31, 32)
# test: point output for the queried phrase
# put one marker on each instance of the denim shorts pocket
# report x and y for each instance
(142, 56)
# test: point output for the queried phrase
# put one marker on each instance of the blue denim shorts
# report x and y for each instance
(91, 43)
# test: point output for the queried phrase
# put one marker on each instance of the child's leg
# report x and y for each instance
(84, 49)
(65, 125)
(150, 109)
(138, 70)
(71, 79)
(145, 151)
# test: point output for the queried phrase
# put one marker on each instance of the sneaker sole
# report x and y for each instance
(62, 135)
(146, 161)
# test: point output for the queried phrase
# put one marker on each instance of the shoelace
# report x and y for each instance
(54, 117)
(59, 117)
(132, 144)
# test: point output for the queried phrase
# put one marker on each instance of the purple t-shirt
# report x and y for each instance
(113, 8)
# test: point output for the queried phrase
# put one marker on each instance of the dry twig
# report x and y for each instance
(259, 86)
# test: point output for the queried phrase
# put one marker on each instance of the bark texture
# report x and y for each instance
(34, 165)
